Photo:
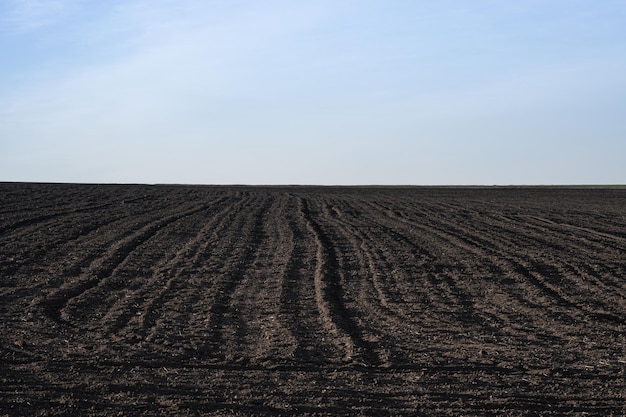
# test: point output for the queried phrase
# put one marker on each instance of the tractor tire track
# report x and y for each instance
(55, 304)
(329, 295)
(446, 285)
(371, 278)
(223, 327)
(139, 308)
(299, 310)
(257, 300)
(559, 306)
(187, 291)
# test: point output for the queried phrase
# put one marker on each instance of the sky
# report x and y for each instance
(446, 92)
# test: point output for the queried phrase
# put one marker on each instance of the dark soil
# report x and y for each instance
(196, 300)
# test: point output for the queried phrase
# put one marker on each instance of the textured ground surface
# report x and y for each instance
(163, 300)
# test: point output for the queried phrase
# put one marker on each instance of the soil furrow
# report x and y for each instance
(193, 287)
(145, 302)
(299, 310)
(549, 276)
(445, 278)
(370, 276)
(55, 304)
(257, 300)
(224, 322)
(548, 299)
(329, 295)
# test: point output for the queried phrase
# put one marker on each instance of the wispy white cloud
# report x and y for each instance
(29, 15)
(165, 87)
(240, 91)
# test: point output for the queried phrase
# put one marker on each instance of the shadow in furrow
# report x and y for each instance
(329, 296)
(149, 301)
(299, 311)
(54, 304)
(222, 313)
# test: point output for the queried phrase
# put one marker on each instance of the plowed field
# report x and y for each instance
(190, 300)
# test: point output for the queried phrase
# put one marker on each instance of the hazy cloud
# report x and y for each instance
(29, 15)
(221, 91)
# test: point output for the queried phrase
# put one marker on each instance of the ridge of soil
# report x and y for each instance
(233, 300)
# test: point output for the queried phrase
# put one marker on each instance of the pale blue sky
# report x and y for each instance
(313, 92)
